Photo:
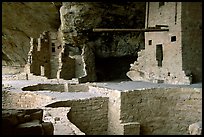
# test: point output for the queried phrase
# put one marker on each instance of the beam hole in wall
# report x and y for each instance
(168, 73)
(173, 38)
(159, 54)
(113, 68)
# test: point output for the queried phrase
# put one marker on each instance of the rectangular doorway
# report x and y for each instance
(159, 54)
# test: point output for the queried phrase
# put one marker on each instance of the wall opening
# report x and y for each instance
(173, 38)
(113, 68)
(53, 47)
(150, 42)
(159, 54)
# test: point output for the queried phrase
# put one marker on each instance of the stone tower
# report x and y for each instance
(172, 56)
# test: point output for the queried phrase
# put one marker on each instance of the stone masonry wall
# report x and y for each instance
(162, 111)
(89, 115)
(19, 100)
(171, 69)
(39, 56)
(115, 127)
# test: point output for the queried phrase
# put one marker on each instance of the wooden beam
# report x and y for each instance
(128, 30)
(161, 26)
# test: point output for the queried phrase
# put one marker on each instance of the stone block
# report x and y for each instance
(131, 128)
(29, 128)
(48, 128)
(195, 128)
(38, 115)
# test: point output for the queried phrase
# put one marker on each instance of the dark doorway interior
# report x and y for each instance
(159, 54)
(113, 68)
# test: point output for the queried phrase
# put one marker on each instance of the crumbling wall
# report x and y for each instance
(39, 56)
(192, 39)
(162, 111)
(22, 100)
(161, 61)
(89, 115)
(22, 20)
(88, 59)
(56, 48)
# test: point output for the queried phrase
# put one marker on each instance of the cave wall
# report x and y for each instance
(22, 20)
(74, 22)
(192, 39)
(79, 18)
(77, 22)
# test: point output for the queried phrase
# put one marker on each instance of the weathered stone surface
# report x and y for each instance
(48, 128)
(37, 115)
(169, 60)
(30, 128)
(62, 125)
(195, 128)
(22, 20)
(24, 122)
(9, 118)
(132, 128)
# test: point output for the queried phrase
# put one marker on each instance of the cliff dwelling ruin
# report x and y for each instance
(96, 68)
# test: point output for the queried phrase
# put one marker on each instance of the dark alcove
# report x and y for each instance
(113, 68)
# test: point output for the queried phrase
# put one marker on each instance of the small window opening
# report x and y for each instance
(173, 38)
(53, 47)
(150, 42)
(161, 4)
(159, 54)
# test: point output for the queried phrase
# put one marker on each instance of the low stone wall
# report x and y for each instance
(20, 100)
(167, 111)
(157, 111)
(66, 87)
(89, 115)
(114, 108)
(25, 122)
(11, 70)
(62, 125)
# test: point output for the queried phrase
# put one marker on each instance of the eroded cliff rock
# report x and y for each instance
(22, 20)
(74, 21)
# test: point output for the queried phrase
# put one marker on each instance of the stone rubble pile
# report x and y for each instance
(25, 122)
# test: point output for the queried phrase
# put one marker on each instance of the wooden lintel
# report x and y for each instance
(128, 30)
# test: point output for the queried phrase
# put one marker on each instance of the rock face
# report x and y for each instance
(77, 39)
(78, 21)
(195, 128)
(22, 20)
